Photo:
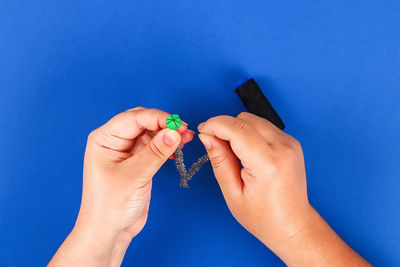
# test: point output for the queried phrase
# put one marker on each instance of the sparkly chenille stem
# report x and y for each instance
(185, 176)
(196, 166)
(180, 165)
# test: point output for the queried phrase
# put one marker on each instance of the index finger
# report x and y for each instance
(244, 139)
(121, 131)
(131, 123)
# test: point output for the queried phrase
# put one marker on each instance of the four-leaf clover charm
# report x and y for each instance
(174, 121)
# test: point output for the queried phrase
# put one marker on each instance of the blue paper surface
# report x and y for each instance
(331, 69)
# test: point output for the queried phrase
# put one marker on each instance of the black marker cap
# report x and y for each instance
(256, 103)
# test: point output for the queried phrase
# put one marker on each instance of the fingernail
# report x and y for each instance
(206, 140)
(171, 137)
(200, 126)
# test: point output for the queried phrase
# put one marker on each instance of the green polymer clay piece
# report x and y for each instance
(174, 121)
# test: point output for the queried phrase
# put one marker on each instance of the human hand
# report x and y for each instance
(121, 159)
(268, 194)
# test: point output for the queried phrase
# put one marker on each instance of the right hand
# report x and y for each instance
(268, 194)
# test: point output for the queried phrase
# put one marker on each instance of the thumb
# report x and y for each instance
(225, 165)
(149, 160)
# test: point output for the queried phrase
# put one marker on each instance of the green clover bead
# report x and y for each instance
(174, 121)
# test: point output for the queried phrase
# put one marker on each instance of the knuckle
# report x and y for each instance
(154, 110)
(157, 112)
(217, 160)
(92, 136)
(223, 117)
(137, 108)
(239, 125)
(219, 118)
(294, 143)
(157, 151)
(289, 151)
(243, 114)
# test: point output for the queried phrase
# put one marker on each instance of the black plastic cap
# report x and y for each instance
(256, 103)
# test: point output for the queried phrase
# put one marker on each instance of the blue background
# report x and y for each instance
(330, 68)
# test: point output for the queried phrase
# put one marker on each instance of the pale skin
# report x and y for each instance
(266, 194)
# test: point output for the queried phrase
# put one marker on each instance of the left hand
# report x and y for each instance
(121, 159)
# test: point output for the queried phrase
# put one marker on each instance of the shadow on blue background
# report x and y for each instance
(330, 69)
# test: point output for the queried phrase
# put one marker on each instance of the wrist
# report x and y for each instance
(296, 240)
(85, 246)
(98, 242)
(316, 244)
(95, 237)
(276, 233)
